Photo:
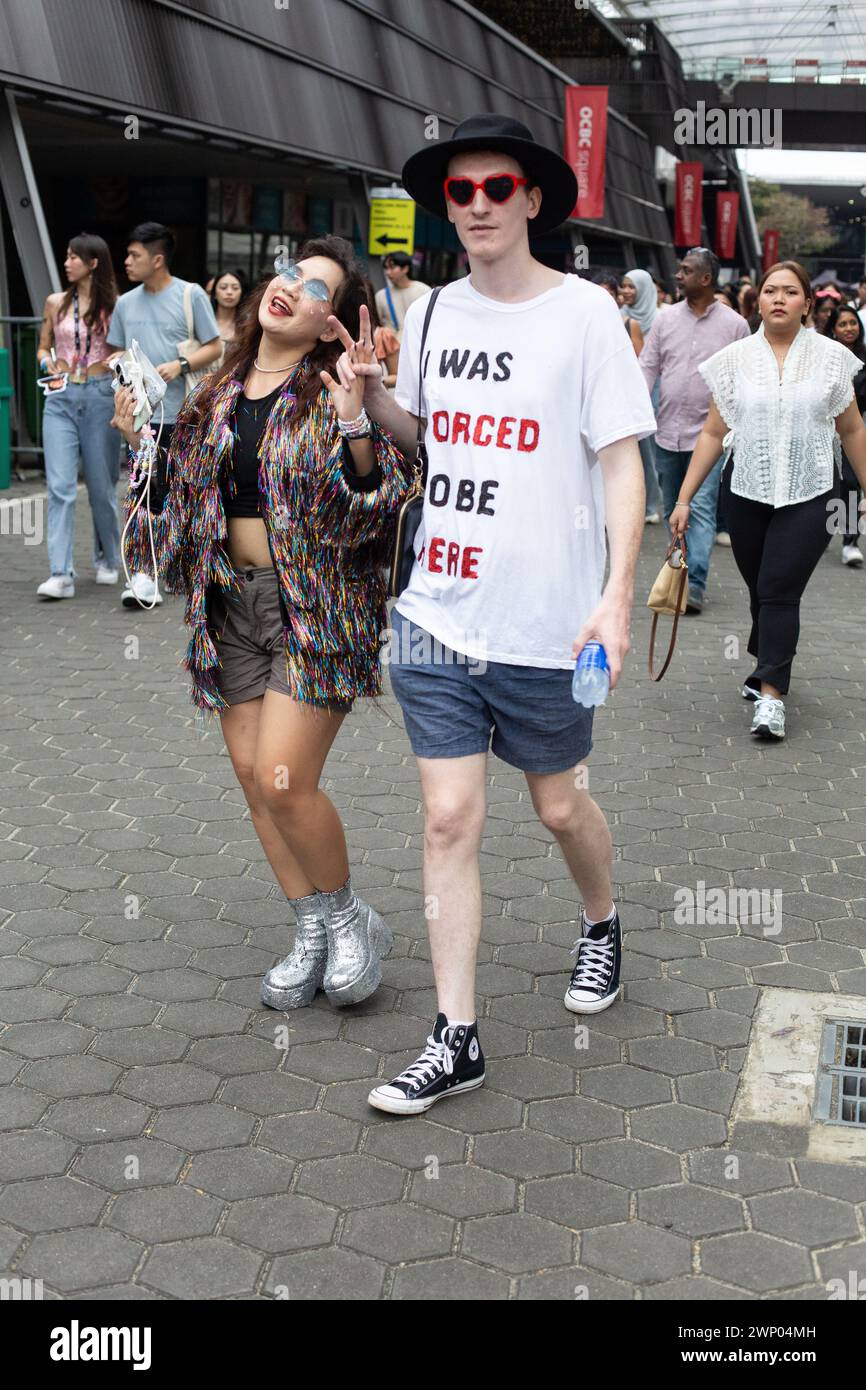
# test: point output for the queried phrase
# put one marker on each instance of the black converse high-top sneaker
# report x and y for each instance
(595, 978)
(451, 1062)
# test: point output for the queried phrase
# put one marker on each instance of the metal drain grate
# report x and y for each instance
(840, 1098)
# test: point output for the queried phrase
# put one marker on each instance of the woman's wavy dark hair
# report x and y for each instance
(103, 285)
(351, 293)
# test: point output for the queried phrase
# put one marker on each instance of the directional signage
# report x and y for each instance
(392, 222)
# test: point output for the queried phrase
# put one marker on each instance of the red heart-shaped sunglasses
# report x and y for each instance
(497, 187)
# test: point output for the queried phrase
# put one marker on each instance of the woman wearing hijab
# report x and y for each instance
(641, 304)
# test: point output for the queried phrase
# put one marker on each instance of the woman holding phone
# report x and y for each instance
(282, 497)
(78, 408)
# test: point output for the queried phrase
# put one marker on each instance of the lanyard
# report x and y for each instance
(77, 333)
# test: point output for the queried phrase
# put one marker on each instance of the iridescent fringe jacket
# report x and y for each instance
(330, 541)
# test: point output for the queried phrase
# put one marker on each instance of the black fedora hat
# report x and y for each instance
(424, 172)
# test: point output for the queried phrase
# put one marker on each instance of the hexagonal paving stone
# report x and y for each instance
(351, 1180)
(82, 1258)
(462, 1190)
(240, 1172)
(834, 1180)
(47, 1204)
(310, 1134)
(625, 1086)
(33, 1154)
(171, 1212)
(208, 1265)
(679, 1127)
(326, 1274)
(279, 1223)
(522, 1154)
(753, 1261)
(518, 1242)
(449, 1279)
(577, 1201)
(812, 1219)
(640, 1253)
(629, 1163)
(672, 1056)
(575, 1119)
(691, 1211)
(398, 1232)
(741, 1172)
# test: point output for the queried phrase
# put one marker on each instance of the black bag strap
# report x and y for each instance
(421, 449)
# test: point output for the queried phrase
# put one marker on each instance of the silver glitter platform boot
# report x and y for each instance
(293, 983)
(357, 941)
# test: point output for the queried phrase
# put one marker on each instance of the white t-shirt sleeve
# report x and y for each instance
(406, 388)
(616, 402)
(117, 328)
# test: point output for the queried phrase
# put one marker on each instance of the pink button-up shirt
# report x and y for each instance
(678, 340)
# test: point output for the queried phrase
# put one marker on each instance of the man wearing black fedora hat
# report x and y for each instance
(534, 403)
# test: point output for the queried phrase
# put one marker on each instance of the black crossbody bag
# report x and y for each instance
(409, 516)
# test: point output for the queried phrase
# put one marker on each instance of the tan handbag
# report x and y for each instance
(191, 344)
(669, 595)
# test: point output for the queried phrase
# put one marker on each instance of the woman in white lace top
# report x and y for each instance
(782, 405)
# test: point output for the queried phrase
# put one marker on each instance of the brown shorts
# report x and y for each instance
(249, 630)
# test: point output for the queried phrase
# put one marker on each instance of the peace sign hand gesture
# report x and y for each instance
(357, 368)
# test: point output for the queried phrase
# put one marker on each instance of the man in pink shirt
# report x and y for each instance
(678, 341)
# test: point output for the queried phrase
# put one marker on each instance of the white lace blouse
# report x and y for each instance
(782, 430)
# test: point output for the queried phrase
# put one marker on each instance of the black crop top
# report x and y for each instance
(248, 422)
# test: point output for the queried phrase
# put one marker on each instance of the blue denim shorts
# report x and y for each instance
(451, 705)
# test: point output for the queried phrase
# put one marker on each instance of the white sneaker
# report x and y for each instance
(58, 586)
(142, 592)
(723, 538)
(105, 575)
(852, 555)
(769, 720)
(652, 519)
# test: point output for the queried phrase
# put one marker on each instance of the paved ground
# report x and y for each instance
(155, 1143)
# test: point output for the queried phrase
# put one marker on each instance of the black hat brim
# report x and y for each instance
(424, 174)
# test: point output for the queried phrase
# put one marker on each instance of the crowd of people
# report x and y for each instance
(271, 497)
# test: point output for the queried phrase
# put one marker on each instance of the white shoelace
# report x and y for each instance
(435, 1057)
(593, 964)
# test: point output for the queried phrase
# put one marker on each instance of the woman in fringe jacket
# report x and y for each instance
(281, 502)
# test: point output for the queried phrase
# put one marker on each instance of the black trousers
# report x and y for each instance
(776, 550)
(851, 495)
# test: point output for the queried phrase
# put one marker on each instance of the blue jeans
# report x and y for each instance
(701, 537)
(76, 422)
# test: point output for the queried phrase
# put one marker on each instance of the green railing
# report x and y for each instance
(21, 399)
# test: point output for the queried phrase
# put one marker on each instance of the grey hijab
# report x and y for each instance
(645, 306)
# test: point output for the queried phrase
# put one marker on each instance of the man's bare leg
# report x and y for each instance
(455, 809)
(570, 814)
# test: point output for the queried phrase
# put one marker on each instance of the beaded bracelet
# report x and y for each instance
(360, 428)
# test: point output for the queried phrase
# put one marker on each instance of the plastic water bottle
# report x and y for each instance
(591, 680)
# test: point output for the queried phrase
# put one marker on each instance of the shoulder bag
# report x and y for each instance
(191, 343)
(669, 595)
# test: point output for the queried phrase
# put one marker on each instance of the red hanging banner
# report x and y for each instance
(771, 248)
(687, 217)
(586, 146)
(727, 211)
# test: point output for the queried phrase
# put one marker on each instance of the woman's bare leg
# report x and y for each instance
(240, 725)
(293, 740)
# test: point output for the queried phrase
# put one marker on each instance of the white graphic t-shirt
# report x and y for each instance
(518, 399)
